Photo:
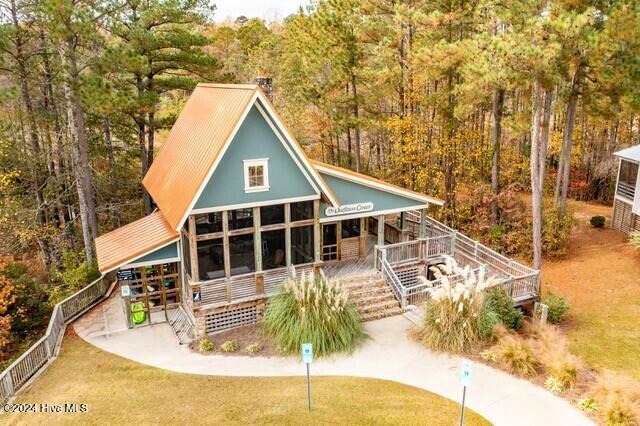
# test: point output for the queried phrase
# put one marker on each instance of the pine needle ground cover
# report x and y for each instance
(599, 277)
(120, 391)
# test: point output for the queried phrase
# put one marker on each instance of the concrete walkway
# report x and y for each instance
(389, 354)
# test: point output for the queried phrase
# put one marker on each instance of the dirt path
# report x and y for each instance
(601, 278)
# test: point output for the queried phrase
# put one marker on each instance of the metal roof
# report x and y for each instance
(373, 182)
(196, 141)
(631, 153)
(132, 241)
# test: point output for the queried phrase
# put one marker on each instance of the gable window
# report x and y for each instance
(256, 175)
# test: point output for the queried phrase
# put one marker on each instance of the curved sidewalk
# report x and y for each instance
(389, 354)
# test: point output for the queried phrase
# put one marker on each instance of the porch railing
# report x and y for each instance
(519, 281)
(419, 294)
(398, 290)
(44, 350)
(241, 288)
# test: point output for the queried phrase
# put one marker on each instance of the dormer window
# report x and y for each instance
(256, 175)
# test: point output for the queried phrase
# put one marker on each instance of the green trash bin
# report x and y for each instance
(138, 315)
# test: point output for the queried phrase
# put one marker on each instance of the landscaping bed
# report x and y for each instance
(244, 337)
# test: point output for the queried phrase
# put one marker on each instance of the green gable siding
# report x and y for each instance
(168, 252)
(350, 193)
(255, 139)
(295, 154)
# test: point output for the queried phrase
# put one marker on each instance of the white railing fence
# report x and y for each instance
(45, 349)
(519, 281)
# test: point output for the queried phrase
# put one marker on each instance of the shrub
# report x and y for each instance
(487, 322)
(498, 301)
(515, 355)
(552, 351)
(229, 346)
(253, 348)
(634, 239)
(556, 230)
(617, 398)
(205, 345)
(558, 307)
(597, 221)
(317, 310)
(588, 405)
(554, 385)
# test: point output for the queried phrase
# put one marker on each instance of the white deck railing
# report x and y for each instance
(519, 281)
(45, 349)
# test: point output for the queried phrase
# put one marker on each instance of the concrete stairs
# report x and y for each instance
(372, 296)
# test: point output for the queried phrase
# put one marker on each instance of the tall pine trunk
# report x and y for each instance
(113, 181)
(81, 139)
(564, 167)
(541, 111)
(496, 133)
(75, 160)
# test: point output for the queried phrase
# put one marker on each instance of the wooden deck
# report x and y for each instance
(353, 267)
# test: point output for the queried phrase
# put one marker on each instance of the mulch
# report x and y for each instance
(243, 336)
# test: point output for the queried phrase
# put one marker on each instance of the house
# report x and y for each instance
(241, 207)
(626, 204)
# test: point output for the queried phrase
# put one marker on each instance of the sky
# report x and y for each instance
(266, 9)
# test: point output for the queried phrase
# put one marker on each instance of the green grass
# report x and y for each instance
(120, 391)
(599, 277)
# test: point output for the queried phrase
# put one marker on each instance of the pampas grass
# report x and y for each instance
(313, 309)
(453, 317)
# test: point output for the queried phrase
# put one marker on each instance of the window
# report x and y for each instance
(301, 211)
(210, 259)
(241, 254)
(350, 228)
(302, 245)
(628, 172)
(240, 219)
(256, 175)
(208, 223)
(273, 250)
(272, 215)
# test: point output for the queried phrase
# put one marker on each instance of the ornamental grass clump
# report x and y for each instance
(313, 309)
(454, 319)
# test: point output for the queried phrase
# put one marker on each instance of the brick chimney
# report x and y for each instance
(265, 84)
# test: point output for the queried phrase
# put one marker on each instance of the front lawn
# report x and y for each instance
(119, 391)
(601, 278)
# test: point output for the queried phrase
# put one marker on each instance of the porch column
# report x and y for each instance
(403, 226)
(339, 239)
(225, 247)
(287, 233)
(193, 248)
(257, 239)
(423, 223)
(316, 232)
(381, 230)
(363, 237)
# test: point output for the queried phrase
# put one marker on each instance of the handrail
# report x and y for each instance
(34, 359)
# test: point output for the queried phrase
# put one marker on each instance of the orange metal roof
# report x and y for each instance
(132, 241)
(320, 165)
(194, 144)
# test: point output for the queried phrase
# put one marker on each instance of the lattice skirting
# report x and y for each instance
(219, 321)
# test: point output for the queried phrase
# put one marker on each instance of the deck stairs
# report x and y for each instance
(181, 326)
(372, 296)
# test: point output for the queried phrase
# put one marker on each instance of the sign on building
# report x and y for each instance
(125, 274)
(349, 209)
